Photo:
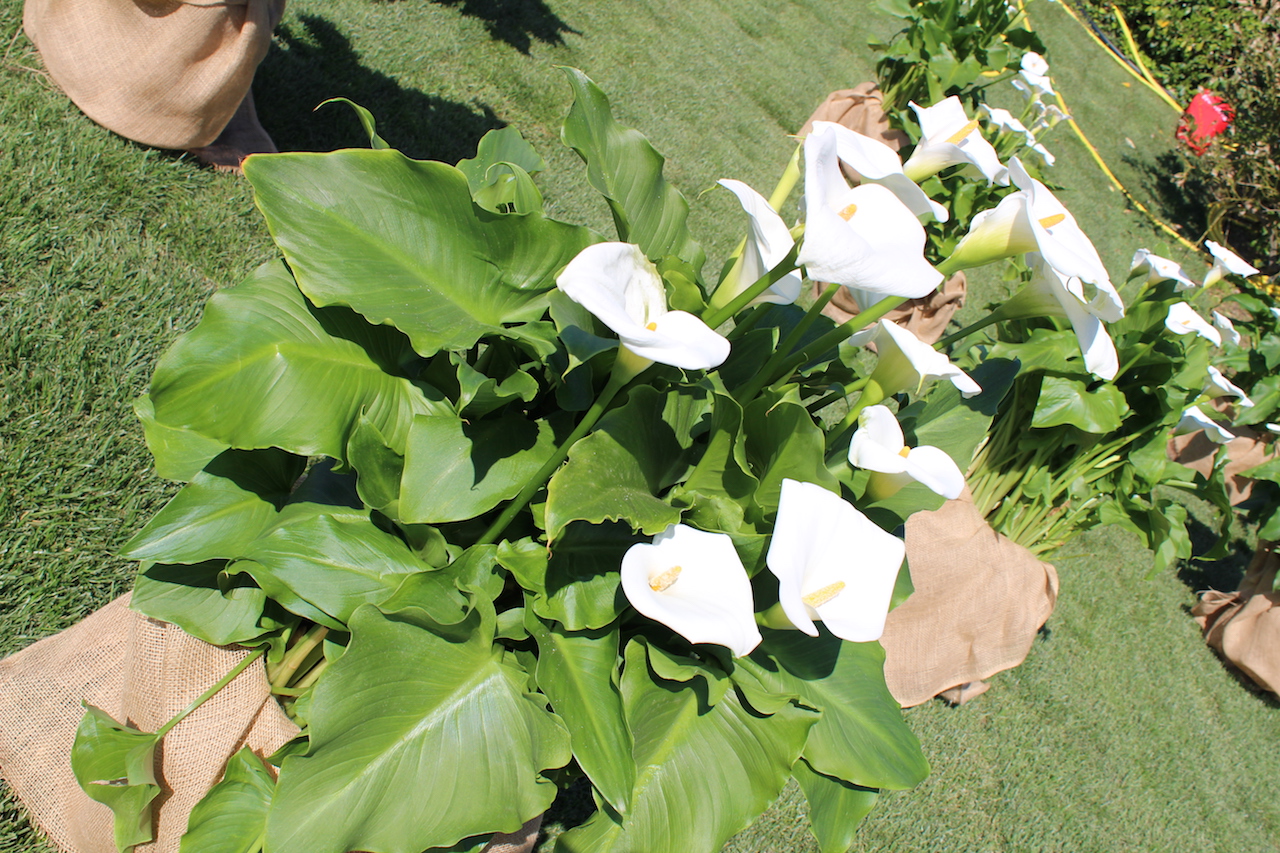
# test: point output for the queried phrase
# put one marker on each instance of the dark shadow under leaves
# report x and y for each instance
(1181, 203)
(1223, 574)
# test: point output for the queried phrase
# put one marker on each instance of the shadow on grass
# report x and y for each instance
(1222, 574)
(516, 22)
(310, 61)
(1181, 205)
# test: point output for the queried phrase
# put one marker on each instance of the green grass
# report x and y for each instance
(1121, 732)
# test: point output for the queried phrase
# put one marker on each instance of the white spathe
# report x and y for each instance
(1050, 294)
(905, 362)
(1226, 261)
(877, 163)
(950, 139)
(1225, 387)
(1183, 320)
(616, 283)
(694, 583)
(1194, 420)
(1033, 80)
(863, 236)
(1161, 269)
(832, 563)
(1228, 329)
(878, 446)
(768, 242)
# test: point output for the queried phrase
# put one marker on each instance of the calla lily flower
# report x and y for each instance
(1049, 294)
(1226, 261)
(906, 363)
(1161, 269)
(1225, 387)
(694, 583)
(1002, 119)
(860, 237)
(768, 242)
(1227, 328)
(833, 564)
(877, 163)
(878, 446)
(950, 138)
(1274, 428)
(1050, 116)
(1032, 220)
(1183, 320)
(1033, 80)
(1194, 420)
(616, 283)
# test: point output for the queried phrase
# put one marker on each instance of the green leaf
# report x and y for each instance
(367, 121)
(223, 509)
(265, 369)
(636, 452)
(576, 582)
(423, 258)
(957, 425)
(454, 470)
(784, 442)
(625, 168)
(460, 756)
(836, 807)
(324, 567)
(233, 815)
(379, 467)
(861, 736)
(115, 765)
(723, 469)
(179, 454)
(502, 145)
(578, 672)
(678, 738)
(1044, 349)
(478, 394)
(200, 600)
(1068, 401)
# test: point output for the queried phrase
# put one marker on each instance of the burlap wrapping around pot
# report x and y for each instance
(979, 600)
(141, 671)
(1247, 450)
(927, 317)
(167, 73)
(1244, 626)
(860, 110)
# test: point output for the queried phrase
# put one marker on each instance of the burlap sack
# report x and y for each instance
(858, 109)
(1244, 626)
(142, 671)
(167, 73)
(927, 317)
(1247, 450)
(979, 600)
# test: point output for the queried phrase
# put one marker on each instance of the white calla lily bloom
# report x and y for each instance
(1033, 80)
(950, 139)
(694, 583)
(616, 283)
(1161, 269)
(1274, 428)
(1226, 261)
(878, 446)
(833, 564)
(1224, 387)
(863, 236)
(1194, 420)
(1002, 119)
(905, 362)
(768, 242)
(877, 163)
(1050, 116)
(1183, 320)
(1032, 220)
(1228, 329)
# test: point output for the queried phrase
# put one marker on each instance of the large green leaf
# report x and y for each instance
(635, 452)
(202, 601)
(499, 173)
(1044, 349)
(419, 738)
(625, 168)
(401, 242)
(233, 815)
(861, 736)
(224, 508)
(454, 470)
(723, 468)
(578, 671)
(179, 454)
(957, 425)
(576, 582)
(784, 442)
(265, 369)
(1069, 401)
(835, 807)
(324, 567)
(115, 765)
(702, 772)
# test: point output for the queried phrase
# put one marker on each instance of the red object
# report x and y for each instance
(1206, 116)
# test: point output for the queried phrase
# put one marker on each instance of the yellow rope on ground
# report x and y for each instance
(1066, 7)
(1152, 83)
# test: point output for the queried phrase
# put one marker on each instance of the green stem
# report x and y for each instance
(294, 658)
(815, 310)
(839, 394)
(787, 182)
(714, 316)
(544, 473)
(748, 322)
(205, 696)
(991, 319)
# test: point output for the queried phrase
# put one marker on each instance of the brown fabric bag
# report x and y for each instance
(926, 317)
(166, 73)
(858, 109)
(1244, 626)
(1247, 450)
(144, 672)
(979, 600)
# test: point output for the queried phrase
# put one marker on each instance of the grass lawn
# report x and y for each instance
(1121, 732)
